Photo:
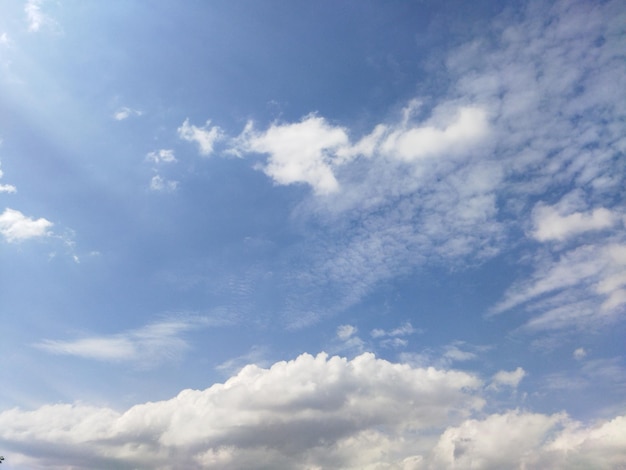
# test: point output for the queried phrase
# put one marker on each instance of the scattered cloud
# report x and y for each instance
(298, 153)
(125, 112)
(349, 340)
(36, 18)
(205, 137)
(147, 346)
(507, 379)
(403, 330)
(158, 183)
(161, 156)
(551, 224)
(579, 353)
(6, 188)
(314, 412)
(15, 226)
(583, 286)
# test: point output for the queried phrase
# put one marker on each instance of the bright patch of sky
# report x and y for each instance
(261, 234)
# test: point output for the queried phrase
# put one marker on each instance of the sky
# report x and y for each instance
(312, 235)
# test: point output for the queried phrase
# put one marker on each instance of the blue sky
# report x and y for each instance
(263, 234)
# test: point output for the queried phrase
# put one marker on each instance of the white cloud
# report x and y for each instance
(15, 226)
(302, 152)
(147, 346)
(36, 18)
(313, 412)
(579, 353)
(125, 112)
(504, 378)
(468, 126)
(205, 137)
(34, 15)
(583, 285)
(403, 330)
(344, 332)
(158, 183)
(6, 188)
(551, 224)
(161, 156)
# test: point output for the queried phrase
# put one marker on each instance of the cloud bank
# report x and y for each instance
(313, 412)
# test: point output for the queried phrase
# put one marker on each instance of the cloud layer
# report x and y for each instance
(313, 412)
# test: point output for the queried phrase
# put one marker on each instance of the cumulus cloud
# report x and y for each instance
(15, 226)
(205, 137)
(301, 152)
(312, 412)
(147, 346)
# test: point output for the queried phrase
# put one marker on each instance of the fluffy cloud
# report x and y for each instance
(147, 346)
(205, 137)
(302, 152)
(298, 414)
(312, 412)
(15, 226)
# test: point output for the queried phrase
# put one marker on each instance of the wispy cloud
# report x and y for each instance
(161, 156)
(6, 188)
(510, 379)
(205, 137)
(125, 112)
(147, 346)
(36, 18)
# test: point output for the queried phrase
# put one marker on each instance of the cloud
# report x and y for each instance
(147, 346)
(313, 412)
(529, 440)
(507, 379)
(161, 156)
(158, 183)
(301, 152)
(583, 285)
(125, 112)
(551, 224)
(579, 353)
(468, 126)
(205, 137)
(403, 330)
(15, 226)
(36, 18)
(6, 188)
